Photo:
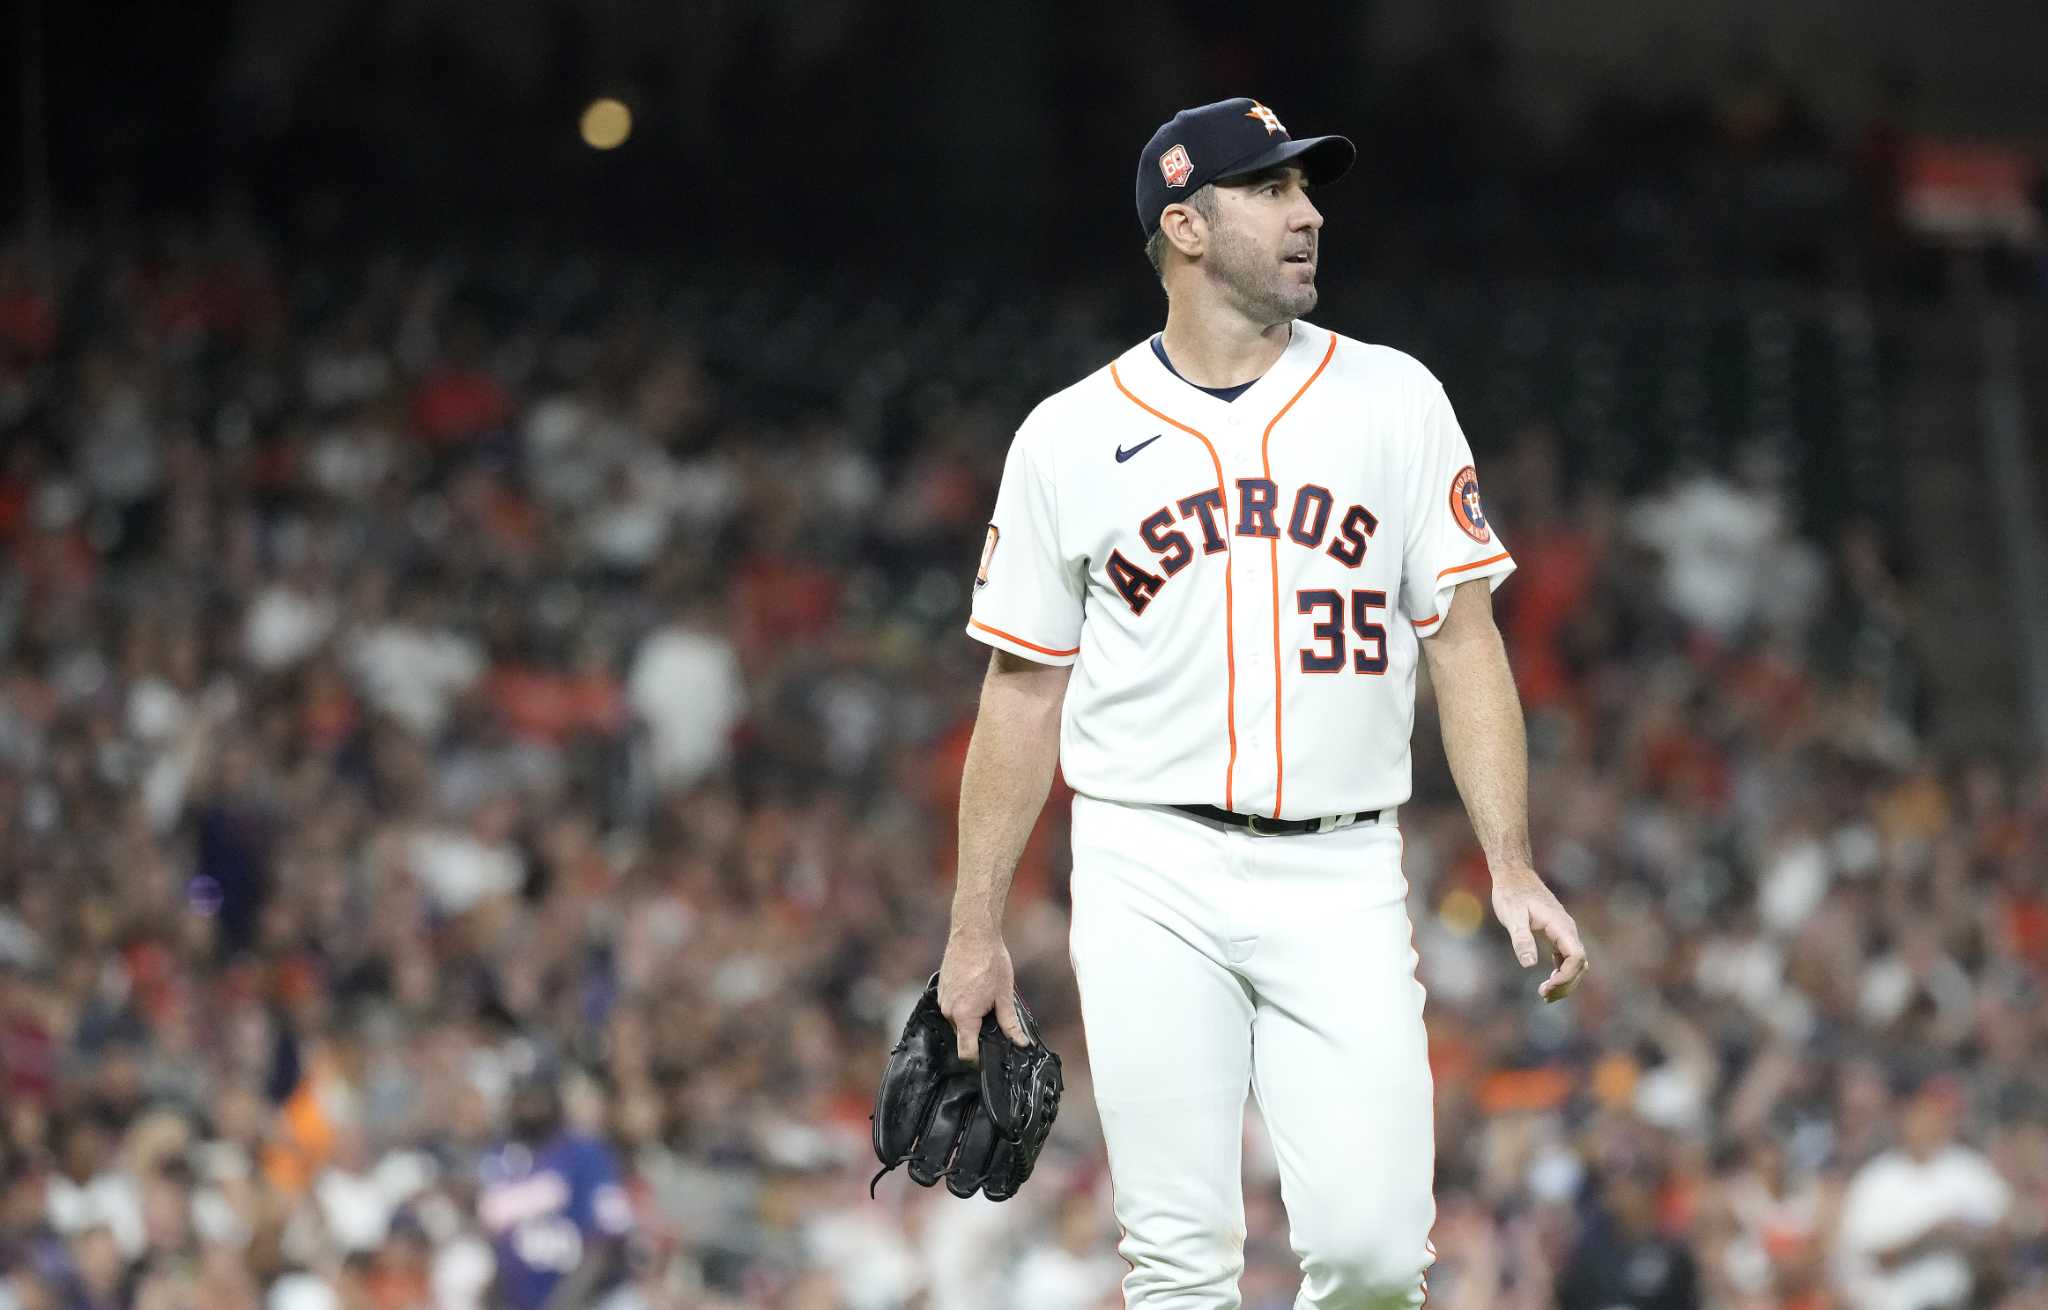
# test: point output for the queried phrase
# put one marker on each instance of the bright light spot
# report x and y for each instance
(1460, 913)
(606, 124)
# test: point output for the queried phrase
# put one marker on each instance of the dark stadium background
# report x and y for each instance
(480, 611)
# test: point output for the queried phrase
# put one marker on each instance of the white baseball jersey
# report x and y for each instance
(1241, 586)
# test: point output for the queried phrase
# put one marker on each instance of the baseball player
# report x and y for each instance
(1212, 569)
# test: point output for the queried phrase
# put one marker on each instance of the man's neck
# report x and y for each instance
(1220, 349)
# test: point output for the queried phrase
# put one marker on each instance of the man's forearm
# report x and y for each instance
(1004, 784)
(1484, 740)
(1489, 755)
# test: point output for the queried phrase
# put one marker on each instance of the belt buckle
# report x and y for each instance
(1251, 823)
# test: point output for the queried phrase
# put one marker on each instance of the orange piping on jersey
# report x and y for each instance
(1028, 645)
(1460, 568)
(1229, 602)
(1266, 462)
(1475, 564)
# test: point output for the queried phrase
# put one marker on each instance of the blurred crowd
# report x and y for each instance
(477, 773)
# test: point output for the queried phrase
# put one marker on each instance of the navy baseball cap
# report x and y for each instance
(1212, 143)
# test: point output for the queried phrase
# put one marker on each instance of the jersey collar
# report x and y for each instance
(1160, 387)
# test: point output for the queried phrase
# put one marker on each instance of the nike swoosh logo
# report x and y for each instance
(1122, 454)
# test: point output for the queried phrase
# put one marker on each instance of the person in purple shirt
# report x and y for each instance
(551, 1202)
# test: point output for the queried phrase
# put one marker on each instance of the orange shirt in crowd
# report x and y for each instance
(783, 600)
(453, 406)
(1554, 577)
(1035, 868)
(540, 705)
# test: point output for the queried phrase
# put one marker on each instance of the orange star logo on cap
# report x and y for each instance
(1266, 116)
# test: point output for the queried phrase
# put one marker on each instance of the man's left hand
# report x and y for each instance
(1530, 912)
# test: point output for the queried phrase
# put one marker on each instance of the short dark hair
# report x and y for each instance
(1203, 202)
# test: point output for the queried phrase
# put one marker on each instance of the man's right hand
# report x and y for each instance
(975, 977)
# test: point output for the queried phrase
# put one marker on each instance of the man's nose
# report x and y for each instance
(1306, 215)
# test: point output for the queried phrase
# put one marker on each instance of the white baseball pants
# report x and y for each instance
(1211, 959)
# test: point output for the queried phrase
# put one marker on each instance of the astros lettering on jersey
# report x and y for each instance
(1241, 586)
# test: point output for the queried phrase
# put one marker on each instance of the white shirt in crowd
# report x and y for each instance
(1894, 1199)
(110, 1200)
(685, 686)
(415, 675)
(1719, 542)
(283, 625)
(1053, 1275)
(459, 871)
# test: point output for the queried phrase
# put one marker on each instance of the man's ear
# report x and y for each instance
(1184, 229)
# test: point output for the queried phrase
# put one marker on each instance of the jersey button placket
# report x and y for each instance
(1258, 765)
(1255, 763)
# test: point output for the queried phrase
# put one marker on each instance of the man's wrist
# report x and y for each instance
(974, 923)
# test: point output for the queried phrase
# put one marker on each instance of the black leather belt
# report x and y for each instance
(1261, 826)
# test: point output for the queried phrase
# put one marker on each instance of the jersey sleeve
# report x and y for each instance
(1027, 593)
(1449, 539)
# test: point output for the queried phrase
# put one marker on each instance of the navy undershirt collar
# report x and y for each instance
(1221, 393)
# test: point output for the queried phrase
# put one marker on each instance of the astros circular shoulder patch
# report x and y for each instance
(1465, 505)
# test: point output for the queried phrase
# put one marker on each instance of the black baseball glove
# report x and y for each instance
(979, 1129)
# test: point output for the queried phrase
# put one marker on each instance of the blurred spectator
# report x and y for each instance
(87, 1192)
(685, 686)
(1778, 1218)
(1920, 1220)
(400, 673)
(411, 664)
(1074, 1268)
(1622, 1259)
(1729, 556)
(552, 1203)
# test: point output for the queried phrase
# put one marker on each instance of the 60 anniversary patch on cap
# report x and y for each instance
(1175, 166)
